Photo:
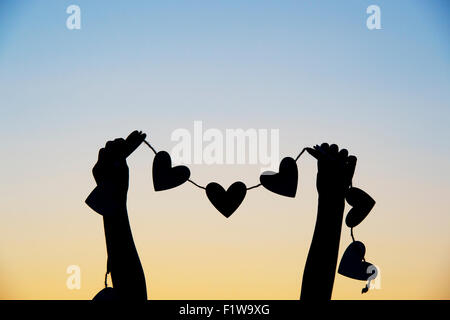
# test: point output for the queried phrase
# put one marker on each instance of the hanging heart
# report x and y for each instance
(107, 294)
(226, 201)
(362, 204)
(352, 264)
(164, 175)
(285, 181)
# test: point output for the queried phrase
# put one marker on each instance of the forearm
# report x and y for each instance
(320, 268)
(123, 259)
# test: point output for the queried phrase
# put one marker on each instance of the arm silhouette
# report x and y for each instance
(109, 199)
(334, 176)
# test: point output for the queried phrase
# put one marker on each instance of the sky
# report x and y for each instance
(311, 69)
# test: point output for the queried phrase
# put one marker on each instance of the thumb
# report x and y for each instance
(133, 141)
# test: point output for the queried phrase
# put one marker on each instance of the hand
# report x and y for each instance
(335, 169)
(111, 170)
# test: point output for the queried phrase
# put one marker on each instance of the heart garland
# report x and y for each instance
(284, 182)
(166, 177)
(353, 264)
(226, 202)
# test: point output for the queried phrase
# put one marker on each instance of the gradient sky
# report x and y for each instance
(308, 68)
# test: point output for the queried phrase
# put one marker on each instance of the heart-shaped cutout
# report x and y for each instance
(352, 264)
(285, 181)
(226, 201)
(107, 294)
(164, 175)
(362, 204)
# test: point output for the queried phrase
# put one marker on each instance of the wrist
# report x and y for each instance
(335, 198)
(106, 201)
(331, 208)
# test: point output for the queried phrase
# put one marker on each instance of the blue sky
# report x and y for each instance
(233, 63)
(323, 46)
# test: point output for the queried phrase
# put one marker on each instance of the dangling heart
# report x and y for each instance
(107, 294)
(164, 175)
(362, 204)
(226, 201)
(285, 181)
(352, 263)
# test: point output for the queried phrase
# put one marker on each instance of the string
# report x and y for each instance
(255, 186)
(353, 238)
(366, 288)
(150, 146)
(197, 185)
(204, 188)
(300, 154)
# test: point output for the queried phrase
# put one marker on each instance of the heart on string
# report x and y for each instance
(285, 181)
(164, 175)
(352, 263)
(107, 294)
(226, 201)
(362, 204)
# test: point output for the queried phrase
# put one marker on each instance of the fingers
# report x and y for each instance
(135, 135)
(114, 150)
(338, 163)
(120, 148)
(101, 154)
(343, 154)
(324, 151)
(324, 147)
(133, 141)
(315, 153)
(113, 156)
(333, 150)
(318, 151)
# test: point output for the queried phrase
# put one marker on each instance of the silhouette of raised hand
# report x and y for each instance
(109, 199)
(111, 173)
(334, 177)
(335, 169)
